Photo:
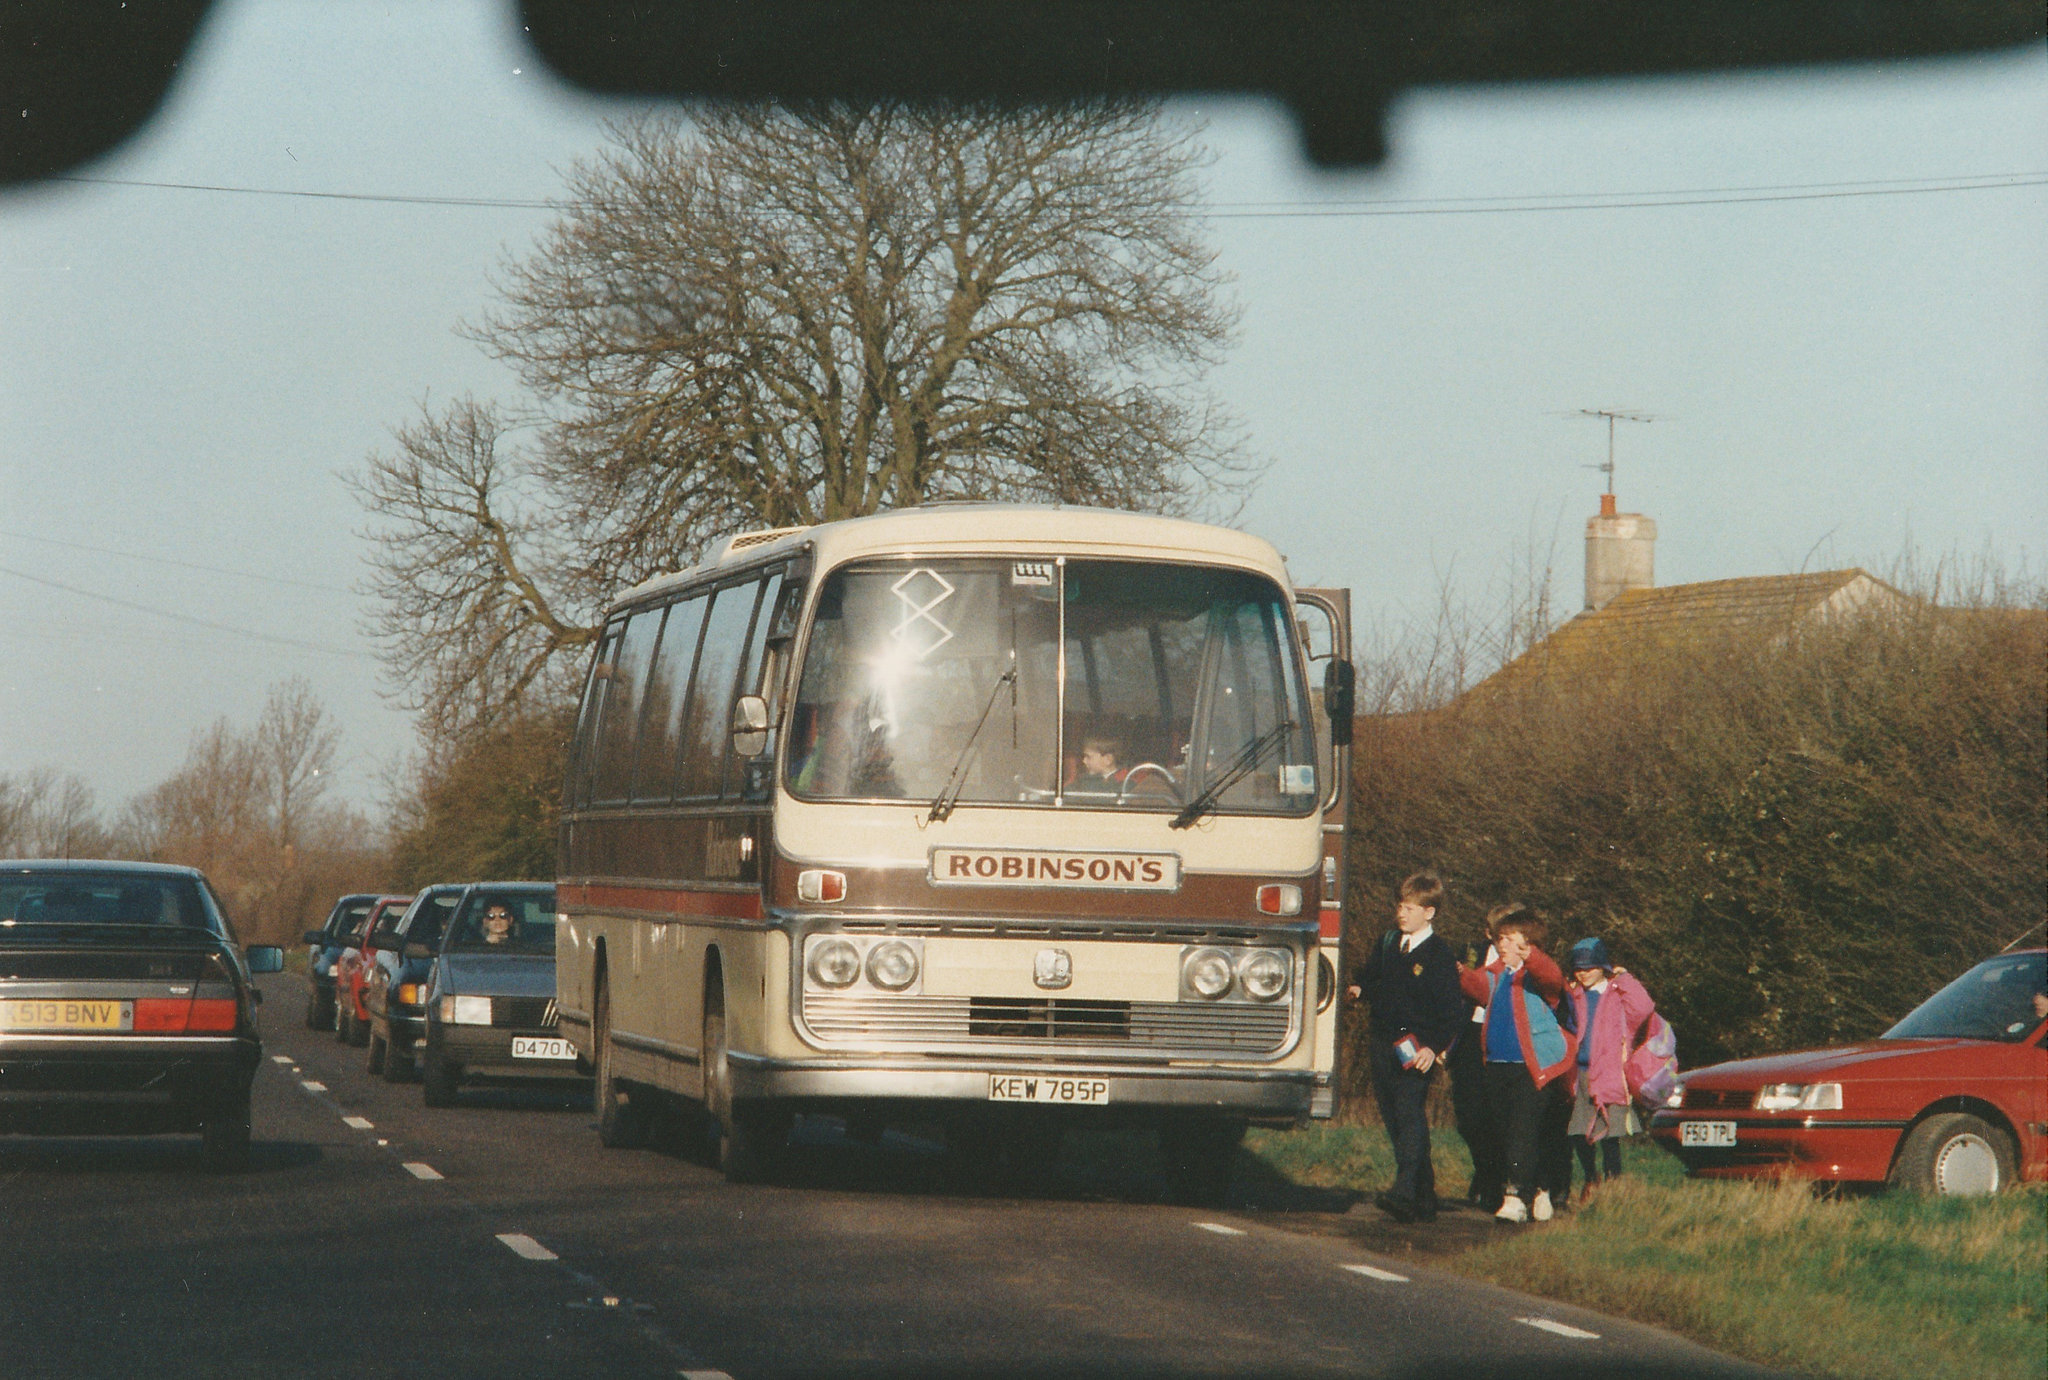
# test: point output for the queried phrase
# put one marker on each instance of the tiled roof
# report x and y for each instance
(1678, 616)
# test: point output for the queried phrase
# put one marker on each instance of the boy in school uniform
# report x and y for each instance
(1410, 979)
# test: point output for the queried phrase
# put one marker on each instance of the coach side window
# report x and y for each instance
(619, 728)
(585, 743)
(668, 687)
(707, 733)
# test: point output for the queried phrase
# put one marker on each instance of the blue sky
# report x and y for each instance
(183, 375)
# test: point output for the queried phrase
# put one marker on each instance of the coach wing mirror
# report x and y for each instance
(1337, 699)
(750, 725)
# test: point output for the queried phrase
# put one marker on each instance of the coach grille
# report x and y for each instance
(994, 1023)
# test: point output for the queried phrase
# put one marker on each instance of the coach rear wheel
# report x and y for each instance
(622, 1120)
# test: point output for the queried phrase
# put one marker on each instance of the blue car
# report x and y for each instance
(324, 947)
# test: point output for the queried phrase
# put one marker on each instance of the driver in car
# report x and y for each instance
(497, 924)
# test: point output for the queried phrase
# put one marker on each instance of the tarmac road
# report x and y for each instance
(375, 1237)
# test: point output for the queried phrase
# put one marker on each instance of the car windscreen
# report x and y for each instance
(103, 898)
(1993, 1001)
(506, 922)
(347, 920)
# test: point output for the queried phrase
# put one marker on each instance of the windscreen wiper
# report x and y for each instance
(1240, 767)
(956, 780)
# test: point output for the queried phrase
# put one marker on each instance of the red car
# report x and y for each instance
(351, 970)
(1952, 1099)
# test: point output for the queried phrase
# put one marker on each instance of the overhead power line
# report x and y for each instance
(185, 617)
(1524, 204)
(182, 565)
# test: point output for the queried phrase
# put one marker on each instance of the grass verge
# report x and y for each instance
(1871, 1287)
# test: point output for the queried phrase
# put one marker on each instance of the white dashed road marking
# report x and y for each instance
(705, 1375)
(421, 1171)
(1546, 1325)
(526, 1247)
(280, 1058)
(1371, 1272)
(360, 1123)
(311, 1086)
(1219, 1229)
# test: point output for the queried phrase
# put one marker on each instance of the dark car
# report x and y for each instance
(491, 1000)
(351, 970)
(125, 1005)
(324, 947)
(1952, 1099)
(395, 986)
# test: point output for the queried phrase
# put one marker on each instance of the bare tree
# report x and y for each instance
(47, 814)
(779, 316)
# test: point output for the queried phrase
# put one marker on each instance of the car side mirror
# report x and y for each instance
(264, 958)
(418, 950)
(749, 725)
(1338, 699)
(314, 937)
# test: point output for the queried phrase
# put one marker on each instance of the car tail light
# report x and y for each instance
(819, 884)
(1276, 898)
(157, 1015)
(176, 1015)
(212, 1013)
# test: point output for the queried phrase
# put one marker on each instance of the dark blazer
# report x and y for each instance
(1413, 993)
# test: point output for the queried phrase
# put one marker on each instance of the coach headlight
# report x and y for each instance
(1264, 974)
(1206, 973)
(892, 965)
(834, 963)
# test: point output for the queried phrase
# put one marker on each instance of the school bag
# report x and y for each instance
(1651, 1069)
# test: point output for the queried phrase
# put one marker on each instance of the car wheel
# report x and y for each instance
(319, 1010)
(751, 1136)
(375, 1063)
(224, 1136)
(397, 1062)
(358, 1030)
(440, 1080)
(1199, 1156)
(343, 1018)
(1954, 1154)
(622, 1119)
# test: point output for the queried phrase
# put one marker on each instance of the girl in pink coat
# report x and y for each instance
(1608, 1010)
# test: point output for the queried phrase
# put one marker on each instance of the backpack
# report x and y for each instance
(1651, 1068)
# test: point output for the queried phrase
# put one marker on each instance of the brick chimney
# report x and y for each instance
(1621, 551)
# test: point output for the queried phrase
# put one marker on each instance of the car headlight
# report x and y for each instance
(892, 965)
(1207, 973)
(466, 1010)
(1799, 1097)
(834, 963)
(1264, 974)
(1676, 1097)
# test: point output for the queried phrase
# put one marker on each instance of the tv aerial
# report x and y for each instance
(1613, 415)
